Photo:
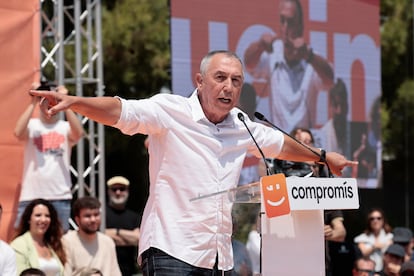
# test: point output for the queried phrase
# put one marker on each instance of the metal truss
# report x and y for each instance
(71, 54)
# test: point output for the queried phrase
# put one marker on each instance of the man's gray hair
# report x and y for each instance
(206, 59)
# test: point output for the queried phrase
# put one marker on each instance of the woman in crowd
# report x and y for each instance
(376, 238)
(38, 240)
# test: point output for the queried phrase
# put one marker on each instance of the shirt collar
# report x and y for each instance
(198, 114)
(196, 110)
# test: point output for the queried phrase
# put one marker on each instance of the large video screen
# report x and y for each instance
(311, 64)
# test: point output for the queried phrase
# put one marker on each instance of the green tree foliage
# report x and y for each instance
(136, 47)
(397, 73)
(396, 45)
(398, 109)
(135, 39)
(400, 123)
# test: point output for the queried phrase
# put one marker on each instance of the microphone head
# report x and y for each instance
(241, 116)
(259, 116)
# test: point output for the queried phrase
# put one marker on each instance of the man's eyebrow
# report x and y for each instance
(219, 73)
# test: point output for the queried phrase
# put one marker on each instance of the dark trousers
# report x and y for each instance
(159, 263)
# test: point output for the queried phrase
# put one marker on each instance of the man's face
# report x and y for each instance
(219, 88)
(304, 137)
(118, 194)
(289, 20)
(89, 220)
(392, 264)
(364, 268)
(290, 27)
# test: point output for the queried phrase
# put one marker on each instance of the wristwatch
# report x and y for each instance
(322, 156)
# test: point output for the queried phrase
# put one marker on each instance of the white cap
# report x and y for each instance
(117, 180)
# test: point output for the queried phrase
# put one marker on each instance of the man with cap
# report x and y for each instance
(393, 259)
(404, 237)
(122, 224)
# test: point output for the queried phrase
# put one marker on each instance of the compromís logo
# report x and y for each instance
(275, 195)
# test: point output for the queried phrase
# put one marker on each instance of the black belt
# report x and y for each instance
(152, 251)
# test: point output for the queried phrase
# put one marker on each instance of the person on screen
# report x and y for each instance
(294, 72)
(334, 135)
(368, 154)
(336, 130)
(197, 146)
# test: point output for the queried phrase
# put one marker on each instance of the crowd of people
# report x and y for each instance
(41, 246)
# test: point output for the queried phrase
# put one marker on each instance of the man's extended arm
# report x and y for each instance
(104, 110)
(295, 152)
(76, 130)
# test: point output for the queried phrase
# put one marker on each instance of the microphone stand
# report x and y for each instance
(269, 171)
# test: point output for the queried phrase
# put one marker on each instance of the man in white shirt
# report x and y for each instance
(197, 146)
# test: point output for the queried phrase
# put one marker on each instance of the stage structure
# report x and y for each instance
(71, 54)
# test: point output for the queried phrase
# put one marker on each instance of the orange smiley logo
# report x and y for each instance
(275, 195)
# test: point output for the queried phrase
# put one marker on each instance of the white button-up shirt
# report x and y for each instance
(189, 157)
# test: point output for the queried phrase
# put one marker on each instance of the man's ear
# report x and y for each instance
(199, 79)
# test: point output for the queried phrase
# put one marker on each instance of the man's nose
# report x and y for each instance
(228, 85)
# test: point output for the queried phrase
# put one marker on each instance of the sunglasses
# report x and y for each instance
(122, 189)
(367, 271)
(375, 218)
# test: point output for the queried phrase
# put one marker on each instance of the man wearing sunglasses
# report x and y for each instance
(122, 224)
(364, 266)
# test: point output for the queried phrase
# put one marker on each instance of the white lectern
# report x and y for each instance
(292, 228)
